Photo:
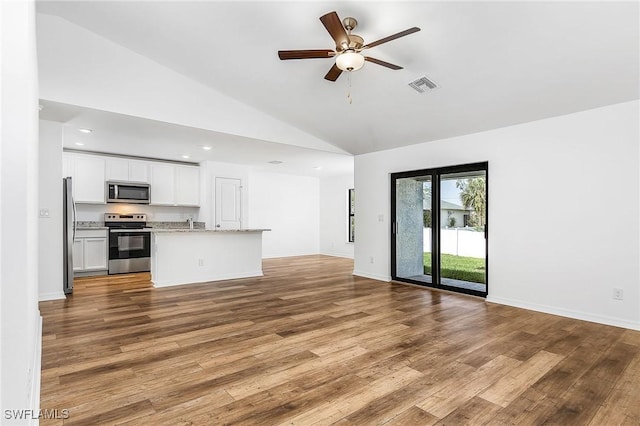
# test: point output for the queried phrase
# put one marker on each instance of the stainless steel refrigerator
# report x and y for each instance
(68, 233)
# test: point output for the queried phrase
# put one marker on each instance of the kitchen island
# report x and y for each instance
(188, 256)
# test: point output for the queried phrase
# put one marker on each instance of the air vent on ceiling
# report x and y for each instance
(423, 84)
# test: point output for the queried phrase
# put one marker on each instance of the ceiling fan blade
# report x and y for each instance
(332, 23)
(333, 73)
(392, 37)
(383, 63)
(305, 54)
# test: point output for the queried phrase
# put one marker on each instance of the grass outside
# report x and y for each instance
(458, 267)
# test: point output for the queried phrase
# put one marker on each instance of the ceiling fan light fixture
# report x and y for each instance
(349, 60)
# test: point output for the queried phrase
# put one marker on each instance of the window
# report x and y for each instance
(352, 215)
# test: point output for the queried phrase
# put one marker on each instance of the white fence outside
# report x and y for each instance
(458, 241)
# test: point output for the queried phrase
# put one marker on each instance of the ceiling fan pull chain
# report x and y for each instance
(349, 88)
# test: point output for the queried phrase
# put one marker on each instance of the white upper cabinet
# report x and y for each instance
(187, 186)
(127, 170)
(171, 184)
(117, 169)
(88, 174)
(67, 165)
(138, 171)
(163, 191)
(175, 185)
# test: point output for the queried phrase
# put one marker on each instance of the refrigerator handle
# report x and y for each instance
(74, 219)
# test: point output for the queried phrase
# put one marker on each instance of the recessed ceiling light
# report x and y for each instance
(206, 147)
(274, 162)
(85, 130)
(79, 144)
(186, 156)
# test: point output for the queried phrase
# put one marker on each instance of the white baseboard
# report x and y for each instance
(584, 316)
(51, 296)
(372, 276)
(36, 367)
(200, 280)
(279, 255)
(336, 254)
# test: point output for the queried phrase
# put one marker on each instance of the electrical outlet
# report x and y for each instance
(371, 259)
(618, 294)
(200, 262)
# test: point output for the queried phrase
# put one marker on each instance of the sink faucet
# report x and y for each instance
(190, 222)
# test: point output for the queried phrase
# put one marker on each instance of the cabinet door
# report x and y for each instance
(95, 253)
(89, 179)
(187, 186)
(138, 171)
(67, 165)
(162, 184)
(78, 254)
(117, 169)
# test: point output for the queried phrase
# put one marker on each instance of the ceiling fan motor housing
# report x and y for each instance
(348, 56)
(349, 23)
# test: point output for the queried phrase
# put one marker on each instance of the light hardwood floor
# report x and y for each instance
(309, 343)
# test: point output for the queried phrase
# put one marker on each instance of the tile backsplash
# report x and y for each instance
(160, 225)
(95, 212)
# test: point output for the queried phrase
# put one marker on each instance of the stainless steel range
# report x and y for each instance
(129, 243)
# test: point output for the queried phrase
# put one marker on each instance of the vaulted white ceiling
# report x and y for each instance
(496, 63)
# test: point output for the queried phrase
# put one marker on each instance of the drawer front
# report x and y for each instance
(91, 233)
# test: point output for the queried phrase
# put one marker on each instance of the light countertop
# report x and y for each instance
(200, 231)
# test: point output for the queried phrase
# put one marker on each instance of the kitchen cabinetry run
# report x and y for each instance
(125, 170)
(171, 184)
(91, 252)
(175, 185)
(88, 173)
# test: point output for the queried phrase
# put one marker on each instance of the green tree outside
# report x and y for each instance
(473, 195)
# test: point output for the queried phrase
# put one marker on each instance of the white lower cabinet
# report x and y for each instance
(78, 254)
(91, 252)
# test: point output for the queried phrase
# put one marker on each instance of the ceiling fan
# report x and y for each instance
(348, 47)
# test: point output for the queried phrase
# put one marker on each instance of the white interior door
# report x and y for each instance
(228, 203)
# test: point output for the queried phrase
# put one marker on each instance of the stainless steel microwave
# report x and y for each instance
(128, 192)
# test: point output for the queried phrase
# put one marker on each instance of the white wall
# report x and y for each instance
(209, 170)
(334, 216)
(289, 206)
(540, 174)
(50, 198)
(79, 67)
(20, 324)
(286, 204)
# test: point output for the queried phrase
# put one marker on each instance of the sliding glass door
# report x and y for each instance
(413, 228)
(439, 231)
